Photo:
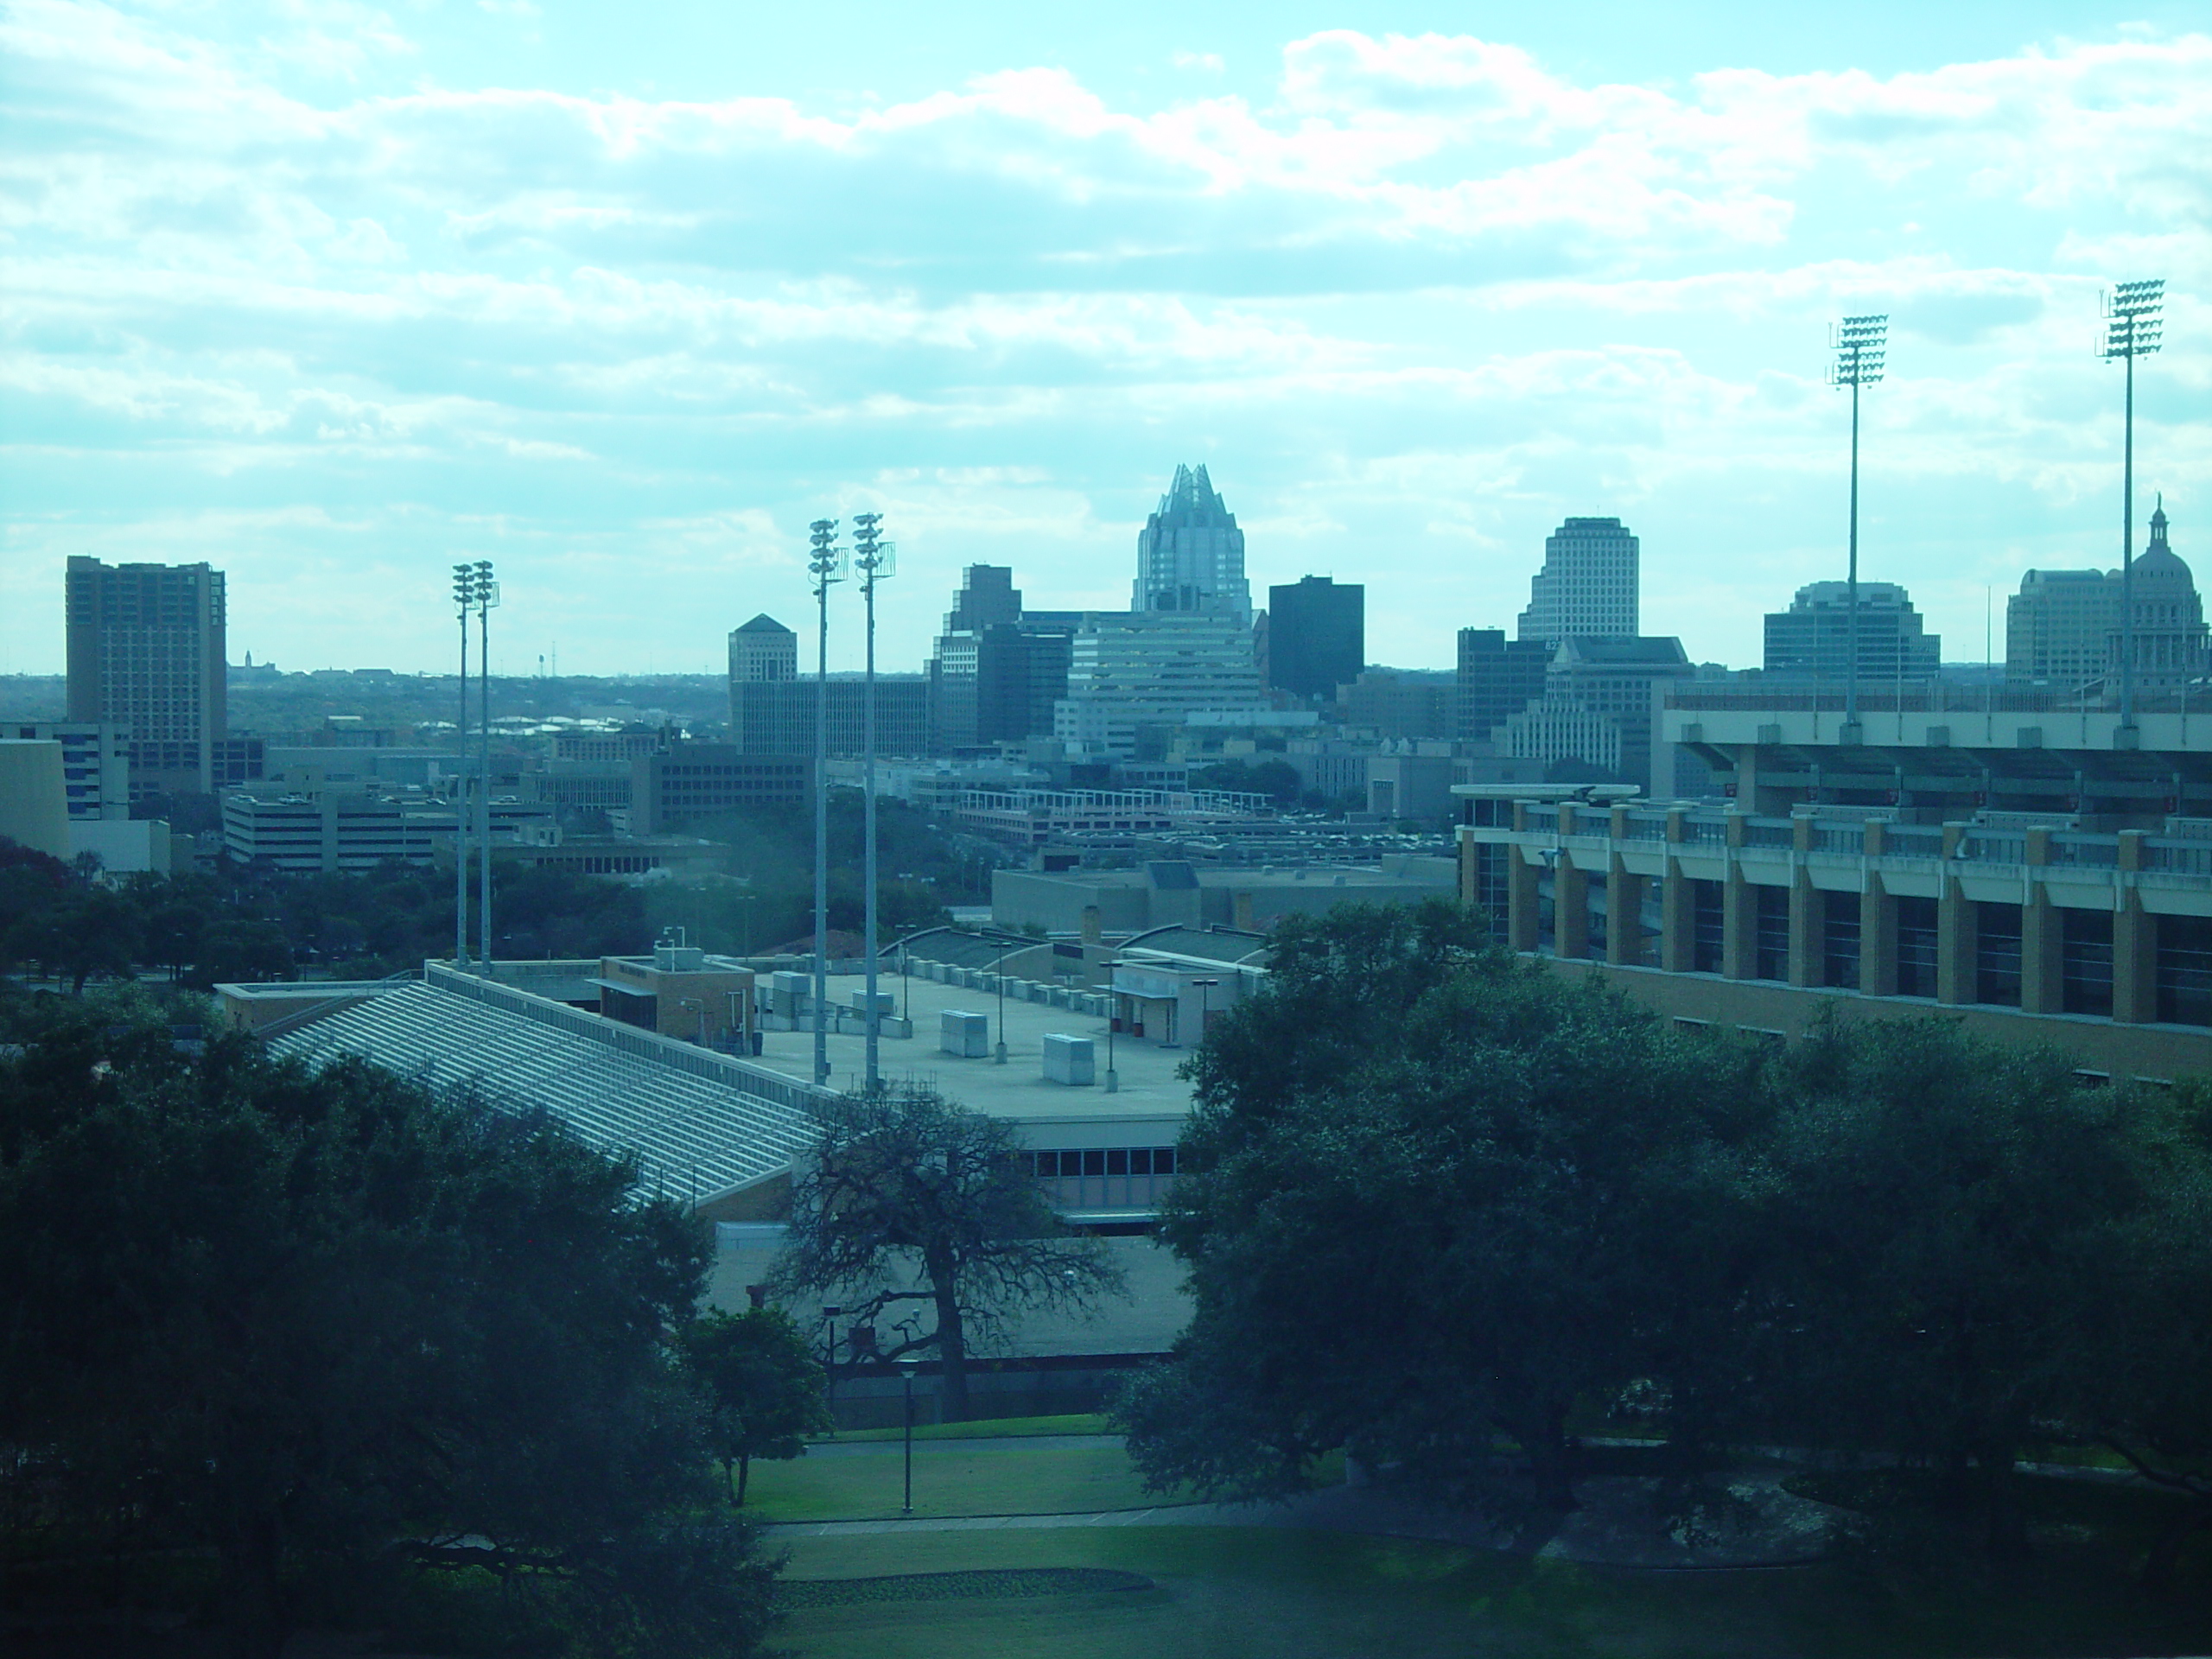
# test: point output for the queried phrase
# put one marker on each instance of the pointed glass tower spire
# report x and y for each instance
(1190, 554)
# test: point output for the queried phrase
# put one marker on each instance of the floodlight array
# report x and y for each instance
(2132, 322)
(826, 562)
(1860, 343)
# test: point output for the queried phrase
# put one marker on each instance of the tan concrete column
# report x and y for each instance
(1674, 902)
(1739, 910)
(1570, 909)
(1806, 943)
(2041, 936)
(2134, 943)
(1521, 917)
(1955, 929)
(1878, 927)
(1624, 915)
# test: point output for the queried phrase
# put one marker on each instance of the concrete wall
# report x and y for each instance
(34, 796)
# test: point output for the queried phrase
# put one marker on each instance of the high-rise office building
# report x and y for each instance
(1588, 585)
(997, 670)
(1597, 707)
(1129, 671)
(1497, 678)
(1190, 554)
(145, 652)
(2058, 626)
(1812, 639)
(762, 649)
(1317, 635)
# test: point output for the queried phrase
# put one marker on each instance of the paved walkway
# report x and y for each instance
(1758, 1524)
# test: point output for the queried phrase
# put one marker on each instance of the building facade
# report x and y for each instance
(1399, 702)
(1129, 671)
(95, 763)
(762, 649)
(2058, 628)
(689, 781)
(2034, 934)
(1317, 636)
(1190, 554)
(776, 717)
(1496, 679)
(1812, 639)
(996, 672)
(1588, 585)
(2169, 643)
(1598, 707)
(145, 646)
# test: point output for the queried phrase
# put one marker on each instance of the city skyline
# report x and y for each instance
(1414, 301)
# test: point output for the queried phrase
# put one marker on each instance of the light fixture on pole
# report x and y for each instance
(998, 973)
(875, 560)
(1113, 1024)
(464, 597)
(1205, 1006)
(488, 600)
(1861, 344)
(825, 564)
(829, 1312)
(906, 1363)
(2132, 328)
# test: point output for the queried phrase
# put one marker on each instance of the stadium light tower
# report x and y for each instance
(487, 598)
(826, 564)
(876, 560)
(1859, 344)
(2132, 325)
(464, 598)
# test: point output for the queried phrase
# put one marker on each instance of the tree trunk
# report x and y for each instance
(2164, 1560)
(952, 1353)
(744, 1473)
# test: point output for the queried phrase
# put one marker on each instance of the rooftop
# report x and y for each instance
(1149, 1087)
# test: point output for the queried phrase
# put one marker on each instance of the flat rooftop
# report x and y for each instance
(1149, 1087)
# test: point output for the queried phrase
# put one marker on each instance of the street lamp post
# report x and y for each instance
(2132, 328)
(874, 559)
(1859, 345)
(830, 1311)
(1113, 1024)
(464, 597)
(906, 1363)
(1206, 1006)
(998, 973)
(826, 565)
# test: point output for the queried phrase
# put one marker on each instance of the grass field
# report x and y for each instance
(1278, 1593)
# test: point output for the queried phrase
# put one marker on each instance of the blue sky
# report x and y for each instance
(334, 295)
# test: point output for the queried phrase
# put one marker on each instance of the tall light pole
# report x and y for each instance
(998, 973)
(2131, 326)
(487, 597)
(1859, 345)
(464, 597)
(826, 564)
(875, 559)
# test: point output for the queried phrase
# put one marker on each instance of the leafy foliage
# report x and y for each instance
(287, 1316)
(768, 1391)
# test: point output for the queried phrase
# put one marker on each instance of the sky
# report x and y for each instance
(620, 297)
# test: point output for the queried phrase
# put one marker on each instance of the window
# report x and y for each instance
(1708, 925)
(2183, 973)
(1771, 933)
(1997, 954)
(2085, 961)
(1839, 939)
(1915, 947)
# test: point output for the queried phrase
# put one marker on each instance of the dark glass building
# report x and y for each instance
(1498, 679)
(1317, 635)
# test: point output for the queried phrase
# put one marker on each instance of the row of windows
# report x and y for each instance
(1099, 1160)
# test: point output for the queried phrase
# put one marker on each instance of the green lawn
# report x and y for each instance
(948, 1480)
(1278, 1593)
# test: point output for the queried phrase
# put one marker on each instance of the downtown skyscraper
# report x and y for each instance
(1588, 588)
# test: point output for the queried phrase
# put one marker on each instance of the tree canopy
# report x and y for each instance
(766, 1390)
(907, 1199)
(286, 1315)
(1436, 1200)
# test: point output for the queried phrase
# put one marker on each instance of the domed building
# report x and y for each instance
(2170, 631)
